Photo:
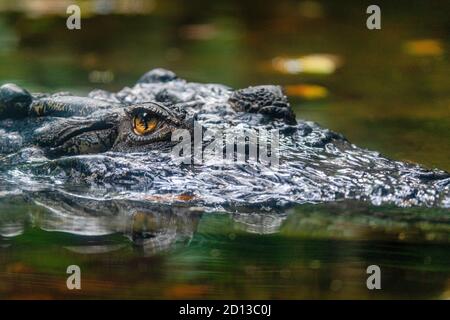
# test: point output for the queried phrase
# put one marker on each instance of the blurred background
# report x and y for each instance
(386, 90)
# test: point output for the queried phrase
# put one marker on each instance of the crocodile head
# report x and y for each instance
(136, 128)
(60, 127)
(120, 144)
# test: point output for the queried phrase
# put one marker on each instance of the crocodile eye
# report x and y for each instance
(144, 124)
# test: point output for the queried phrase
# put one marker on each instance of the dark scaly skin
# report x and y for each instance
(82, 125)
(268, 100)
(90, 141)
(65, 106)
(95, 124)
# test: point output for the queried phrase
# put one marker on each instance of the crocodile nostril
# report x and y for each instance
(14, 101)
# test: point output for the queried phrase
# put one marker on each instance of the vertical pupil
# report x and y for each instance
(144, 121)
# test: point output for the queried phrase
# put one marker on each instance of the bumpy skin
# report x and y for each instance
(63, 142)
(263, 99)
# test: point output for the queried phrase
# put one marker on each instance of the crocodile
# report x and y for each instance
(119, 145)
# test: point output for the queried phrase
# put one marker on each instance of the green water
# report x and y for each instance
(383, 97)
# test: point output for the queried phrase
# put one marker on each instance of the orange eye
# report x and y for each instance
(144, 124)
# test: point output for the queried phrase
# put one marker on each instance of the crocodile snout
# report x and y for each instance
(79, 135)
(14, 101)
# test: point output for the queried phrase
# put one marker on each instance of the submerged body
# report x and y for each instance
(118, 145)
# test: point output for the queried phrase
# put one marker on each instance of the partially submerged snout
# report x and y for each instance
(14, 101)
(79, 135)
(63, 124)
(17, 103)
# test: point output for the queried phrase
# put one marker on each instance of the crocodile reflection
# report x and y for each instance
(158, 227)
(152, 227)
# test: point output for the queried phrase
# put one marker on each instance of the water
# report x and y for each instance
(390, 94)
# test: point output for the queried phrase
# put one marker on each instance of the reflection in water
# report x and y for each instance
(153, 227)
(157, 226)
(162, 251)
